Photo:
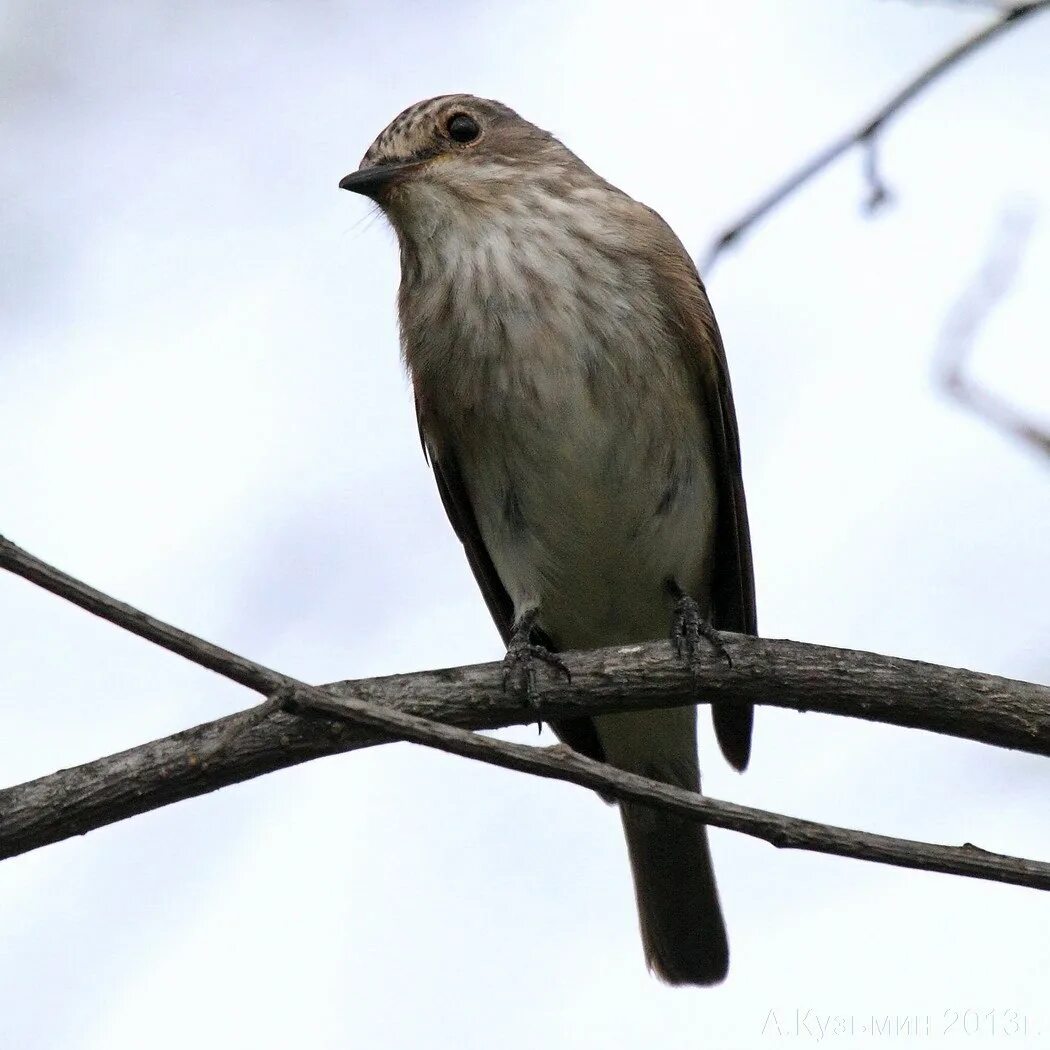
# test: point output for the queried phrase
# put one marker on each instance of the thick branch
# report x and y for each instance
(864, 134)
(200, 760)
(777, 673)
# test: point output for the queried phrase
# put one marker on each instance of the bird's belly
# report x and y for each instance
(588, 514)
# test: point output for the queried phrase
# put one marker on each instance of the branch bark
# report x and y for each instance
(865, 135)
(361, 713)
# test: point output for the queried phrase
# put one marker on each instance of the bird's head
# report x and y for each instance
(459, 154)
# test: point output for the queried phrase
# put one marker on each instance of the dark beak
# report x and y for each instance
(370, 181)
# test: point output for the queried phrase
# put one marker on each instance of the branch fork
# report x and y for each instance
(637, 677)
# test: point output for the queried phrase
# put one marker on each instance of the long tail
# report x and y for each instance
(683, 932)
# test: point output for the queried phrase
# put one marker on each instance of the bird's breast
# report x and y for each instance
(557, 385)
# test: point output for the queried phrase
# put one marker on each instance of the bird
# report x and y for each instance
(573, 399)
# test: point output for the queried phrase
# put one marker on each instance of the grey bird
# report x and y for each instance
(573, 399)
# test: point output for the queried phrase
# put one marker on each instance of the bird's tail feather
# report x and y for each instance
(683, 932)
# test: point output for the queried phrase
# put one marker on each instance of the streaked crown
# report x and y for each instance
(461, 148)
(423, 130)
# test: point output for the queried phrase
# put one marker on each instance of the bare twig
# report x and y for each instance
(963, 325)
(775, 828)
(203, 759)
(864, 134)
(987, 5)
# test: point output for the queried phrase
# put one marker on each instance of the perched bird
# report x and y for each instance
(573, 399)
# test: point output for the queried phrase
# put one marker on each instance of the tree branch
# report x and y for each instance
(963, 325)
(203, 759)
(864, 135)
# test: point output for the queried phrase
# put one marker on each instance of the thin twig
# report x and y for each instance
(864, 135)
(966, 319)
(781, 831)
(201, 760)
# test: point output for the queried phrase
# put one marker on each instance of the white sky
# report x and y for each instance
(202, 411)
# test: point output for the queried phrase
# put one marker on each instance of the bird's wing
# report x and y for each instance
(578, 733)
(456, 501)
(733, 586)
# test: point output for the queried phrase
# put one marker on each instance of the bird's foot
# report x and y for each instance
(519, 665)
(688, 626)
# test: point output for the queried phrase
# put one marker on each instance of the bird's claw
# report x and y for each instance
(519, 669)
(687, 628)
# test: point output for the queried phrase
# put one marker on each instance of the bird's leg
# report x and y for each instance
(688, 626)
(519, 665)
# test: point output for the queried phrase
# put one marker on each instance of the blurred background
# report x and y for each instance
(203, 412)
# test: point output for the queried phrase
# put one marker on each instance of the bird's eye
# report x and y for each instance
(462, 128)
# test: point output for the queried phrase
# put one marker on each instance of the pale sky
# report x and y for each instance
(203, 412)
